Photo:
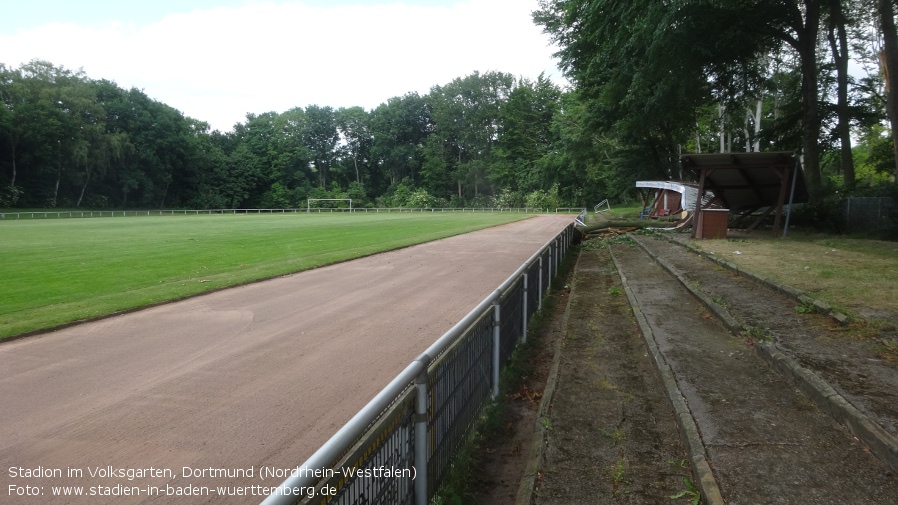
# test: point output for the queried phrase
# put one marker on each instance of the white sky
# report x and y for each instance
(216, 60)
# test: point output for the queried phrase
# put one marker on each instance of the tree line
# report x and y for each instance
(67, 140)
(650, 81)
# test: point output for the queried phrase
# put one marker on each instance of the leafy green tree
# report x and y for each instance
(354, 125)
(321, 139)
(647, 67)
(874, 157)
(244, 179)
(256, 159)
(399, 128)
(837, 35)
(292, 159)
(466, 123)
(544, 199)
(207, 160)
(885, 10)
(636, 71)
(13, 124)
(61, 120)
(526, 135)
(358, 193)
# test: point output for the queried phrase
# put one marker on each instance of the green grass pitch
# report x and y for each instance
(57, 271)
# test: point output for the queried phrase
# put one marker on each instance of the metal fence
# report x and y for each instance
(399, 448)
(65, 214)
(870, 214)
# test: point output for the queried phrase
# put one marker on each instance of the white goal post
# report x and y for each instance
(310, 200)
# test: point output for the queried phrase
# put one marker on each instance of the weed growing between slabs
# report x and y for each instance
(58, 271)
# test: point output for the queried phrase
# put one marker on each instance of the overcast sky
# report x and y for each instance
(216, 60)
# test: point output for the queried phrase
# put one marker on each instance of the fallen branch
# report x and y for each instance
(636, 225)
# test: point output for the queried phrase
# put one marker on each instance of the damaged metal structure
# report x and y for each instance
(734, 188)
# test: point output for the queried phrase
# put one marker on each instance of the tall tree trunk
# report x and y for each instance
(810, 147)
(58, 176)
(840, 59)
(55, 192)
(84, 187)
(890, 51)
(720, 115)
(459, 174)
(164, 194)
(321, 177)
(807, 49)
(759, 108)
(12, 181)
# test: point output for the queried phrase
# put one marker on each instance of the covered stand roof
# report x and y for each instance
(743, 181)
(746, 182)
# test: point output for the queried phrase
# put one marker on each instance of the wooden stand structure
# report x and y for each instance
(748, 182)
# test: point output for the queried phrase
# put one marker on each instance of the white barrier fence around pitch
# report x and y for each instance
(399, 448)
(65, 214)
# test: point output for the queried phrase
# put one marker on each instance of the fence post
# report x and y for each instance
(848, 214)
(497, 341)
(525, 275)
(570, 240)
(539, 305)
(421, 462)
(551, 251)
(557, 250)
(561, 246)
(564, 244)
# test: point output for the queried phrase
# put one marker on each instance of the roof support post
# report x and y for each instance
(791, 196)
(783, 172)
(696, 221)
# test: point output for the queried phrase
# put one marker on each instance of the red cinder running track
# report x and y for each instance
(230, 382)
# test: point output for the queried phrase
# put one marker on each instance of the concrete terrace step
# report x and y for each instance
(842, 373)
(761, 437)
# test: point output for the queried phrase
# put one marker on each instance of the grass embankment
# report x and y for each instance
(58, 271)
(858, 276)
